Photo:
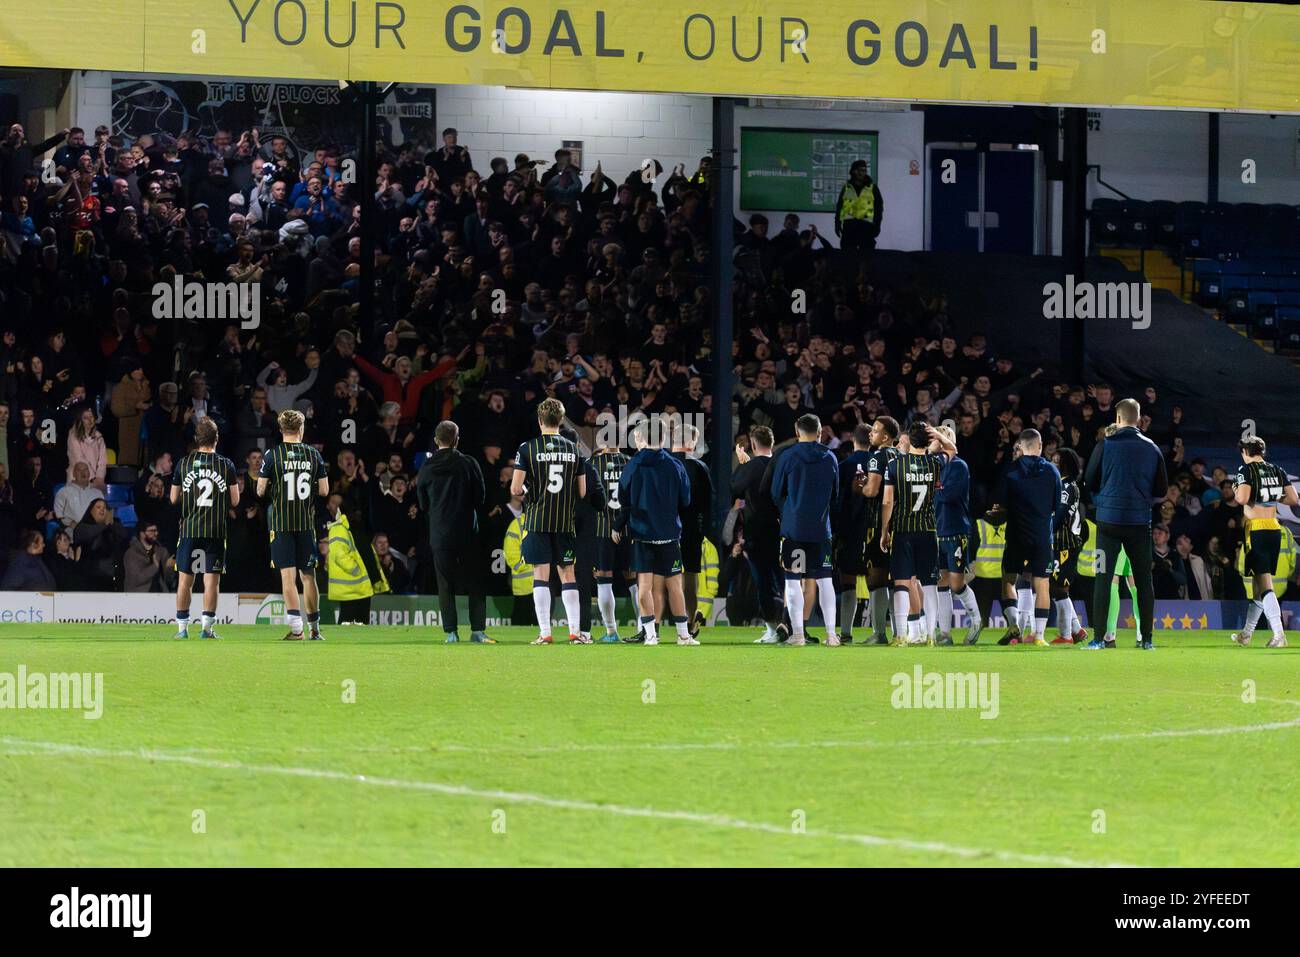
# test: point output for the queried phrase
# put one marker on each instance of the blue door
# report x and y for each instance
(954, 205)
(1010, 201)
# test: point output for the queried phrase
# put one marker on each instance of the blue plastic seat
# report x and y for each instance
(1208, 279)
(1261, 304)
(1236, 300)
(1287, 319)
(117, 495)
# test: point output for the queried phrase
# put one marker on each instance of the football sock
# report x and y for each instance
(572, 606)
(1272, 611)
(294, 617)
(1064, 617)
(848, 609)
(648, 623)
(900, 612)
(879, 610)
(682, 630)
(930, 609)
(794, 604)
(826, 599)
(634, 593)
(915, 626)
(605, 602)
(966, 596)
(313, 621)
(209, 619)
(183, 622)
(1040, 620)
(542, 605)
(1024, 608)
(945, 610)
(1253, 612)
(1112, 614)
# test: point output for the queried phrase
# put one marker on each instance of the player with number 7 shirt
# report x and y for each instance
(907, 516)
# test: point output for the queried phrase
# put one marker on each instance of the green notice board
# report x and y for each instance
(800, 170)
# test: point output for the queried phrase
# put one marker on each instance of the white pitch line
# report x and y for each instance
(565, 804)
(774, 745)
(778, 745)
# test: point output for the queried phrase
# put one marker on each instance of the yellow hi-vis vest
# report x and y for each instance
(348, 578)
(707, 579)
(1285, 565)
(993, 542)
(1086, 561)
(858, 205)
(521, 573)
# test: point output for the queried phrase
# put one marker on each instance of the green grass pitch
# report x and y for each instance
(246, 751)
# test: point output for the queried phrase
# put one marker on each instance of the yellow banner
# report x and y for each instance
(1150, 53)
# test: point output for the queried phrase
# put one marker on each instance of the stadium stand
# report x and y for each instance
(605, 285)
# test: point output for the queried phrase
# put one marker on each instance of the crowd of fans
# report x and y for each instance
(496, 285)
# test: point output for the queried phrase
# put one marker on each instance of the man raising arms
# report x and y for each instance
(907, 517)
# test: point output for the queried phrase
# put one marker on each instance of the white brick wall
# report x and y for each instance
(617, 129)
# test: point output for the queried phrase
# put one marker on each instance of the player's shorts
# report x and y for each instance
(850, 556)
(1034, 557)
(806, 559)
(1061, 574)
(550, 548)
(955, 553)
(1263, 546)
(200, 556)
(611, 557)
(914, 555)
(657, 558)
(876, 557)
(294, 550)
(692, 549)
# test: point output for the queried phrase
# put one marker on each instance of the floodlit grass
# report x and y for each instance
(246, 752)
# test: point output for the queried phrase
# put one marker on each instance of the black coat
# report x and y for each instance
(451, 492)
(753, 483)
